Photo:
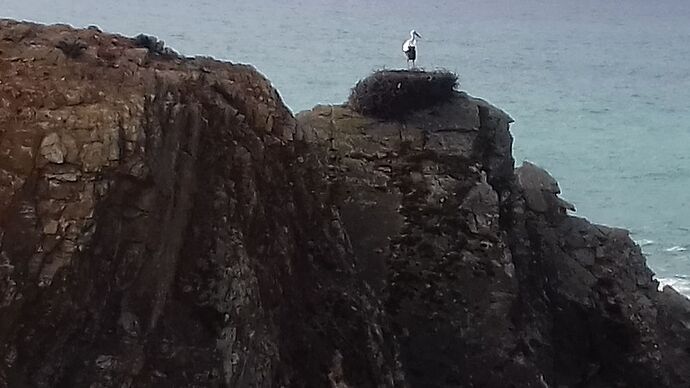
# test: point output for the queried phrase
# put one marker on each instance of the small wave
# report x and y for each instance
(676, 248)
(645, 242)
(681, 284)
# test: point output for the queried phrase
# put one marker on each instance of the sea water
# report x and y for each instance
(599, 90)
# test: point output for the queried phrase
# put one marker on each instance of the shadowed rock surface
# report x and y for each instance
(166, 221)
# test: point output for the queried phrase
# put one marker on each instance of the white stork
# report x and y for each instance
(410, 48)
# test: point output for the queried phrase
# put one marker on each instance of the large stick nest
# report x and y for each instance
(395, 93)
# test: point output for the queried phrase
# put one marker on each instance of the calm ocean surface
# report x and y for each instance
(599, 89)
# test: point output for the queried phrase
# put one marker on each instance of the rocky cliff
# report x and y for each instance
(158, 227)
(486, 278)
(166, 221)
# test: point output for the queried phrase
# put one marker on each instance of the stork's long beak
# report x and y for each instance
(418, 36)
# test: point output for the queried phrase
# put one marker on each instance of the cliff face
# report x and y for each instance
(166, 221)
(417, 202)
(157, 227)
(486, 278)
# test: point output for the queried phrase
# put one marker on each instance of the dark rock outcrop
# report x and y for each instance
(419, 195)
(487, 280)
(591, 311)
(157, 228)
(166, 221)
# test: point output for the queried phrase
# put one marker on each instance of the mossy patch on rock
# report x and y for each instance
(395, 93)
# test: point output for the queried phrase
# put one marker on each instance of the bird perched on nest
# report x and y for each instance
(410, 48)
